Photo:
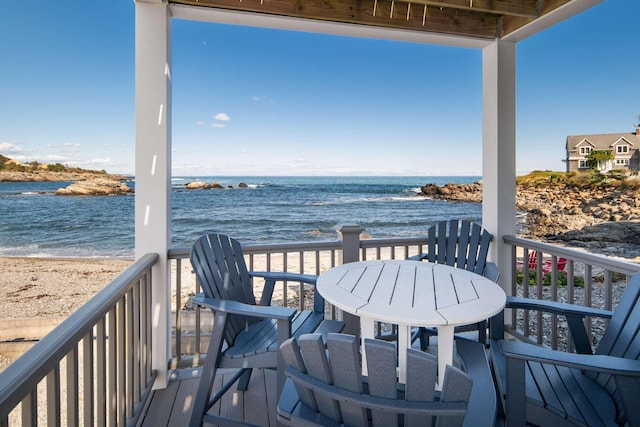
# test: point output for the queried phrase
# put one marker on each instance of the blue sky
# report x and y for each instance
(250, 101)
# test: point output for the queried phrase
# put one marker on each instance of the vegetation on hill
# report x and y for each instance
(9, 165)
(619, 179)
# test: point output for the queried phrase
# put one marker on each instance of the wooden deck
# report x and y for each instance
(172, 406)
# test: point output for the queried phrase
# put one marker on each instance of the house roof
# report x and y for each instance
(603, 141)
(477, 19)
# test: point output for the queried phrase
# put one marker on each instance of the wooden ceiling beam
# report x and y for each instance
(512, 23)
(383, 13)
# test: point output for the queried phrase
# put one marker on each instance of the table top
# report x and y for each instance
(415, 293)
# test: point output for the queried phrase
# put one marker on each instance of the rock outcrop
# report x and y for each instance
(95, 187)
(202, 185)
(603, 218)
(48, 176)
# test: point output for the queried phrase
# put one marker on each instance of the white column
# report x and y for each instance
(153, 164)
(499, 150)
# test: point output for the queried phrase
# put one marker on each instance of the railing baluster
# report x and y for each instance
(178, 318)
(588, 289)
(30, 408)
(112, 359)
(570, 293)
(72, 387)
(87, 379)
(101, 374)
(121, 343)
(137, 358)
(129, 352)
(53, 397)
(554, 297)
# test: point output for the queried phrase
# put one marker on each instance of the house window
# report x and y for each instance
(622, 162)
(622, 149)
(585, 151)
(582, 164)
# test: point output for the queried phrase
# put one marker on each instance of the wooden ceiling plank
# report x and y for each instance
(445, 21)
(523, 8)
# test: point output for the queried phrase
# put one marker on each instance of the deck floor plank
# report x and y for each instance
(171, 407)
(159, 410)
(183, 405)
(255, 402)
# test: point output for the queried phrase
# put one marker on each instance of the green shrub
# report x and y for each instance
(546, 279)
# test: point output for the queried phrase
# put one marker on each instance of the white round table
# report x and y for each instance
(412, 293)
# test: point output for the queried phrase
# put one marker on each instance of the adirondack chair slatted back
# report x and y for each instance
(459, 243)
(220, 269)
(622, 336)
(339, 366)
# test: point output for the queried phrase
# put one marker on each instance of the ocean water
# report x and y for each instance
(35, 222)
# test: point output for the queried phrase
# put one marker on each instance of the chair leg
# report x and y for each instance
(201, 401)
(482, 332)
(424, 339)
(243, 382)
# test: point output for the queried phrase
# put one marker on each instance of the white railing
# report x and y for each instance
(95, 368)
(550, 272)
(92, 369)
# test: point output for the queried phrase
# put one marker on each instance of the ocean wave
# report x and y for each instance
(376, 199)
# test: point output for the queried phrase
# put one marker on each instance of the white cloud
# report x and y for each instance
(7, 147)
(223, 117)
(55, 157)
(100, 161)
(71, 144)
(20, 158)
(199, 123)
(217, 125)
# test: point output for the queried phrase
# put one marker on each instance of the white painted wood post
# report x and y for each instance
(499, 151)
(350, 253)
(153, 166)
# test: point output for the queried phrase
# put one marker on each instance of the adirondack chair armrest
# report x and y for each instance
(234, 307)
(282, 276)
(418, 257)
(595, 363)
(271, 277)
(435, 408)
(556, 307)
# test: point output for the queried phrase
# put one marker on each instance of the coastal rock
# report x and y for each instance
(453, 192)
(202, 185)
(591, 218)
(197, 185)
(612, 238)
(48, 176)
(95, 187)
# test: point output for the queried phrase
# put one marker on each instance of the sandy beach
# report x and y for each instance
(45, 287)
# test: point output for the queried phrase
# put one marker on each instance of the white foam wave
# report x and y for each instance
(411, 198)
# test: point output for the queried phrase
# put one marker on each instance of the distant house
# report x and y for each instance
(625, 148)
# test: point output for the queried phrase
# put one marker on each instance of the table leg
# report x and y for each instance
(445, 350)
(404, 342)
(367, 330)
